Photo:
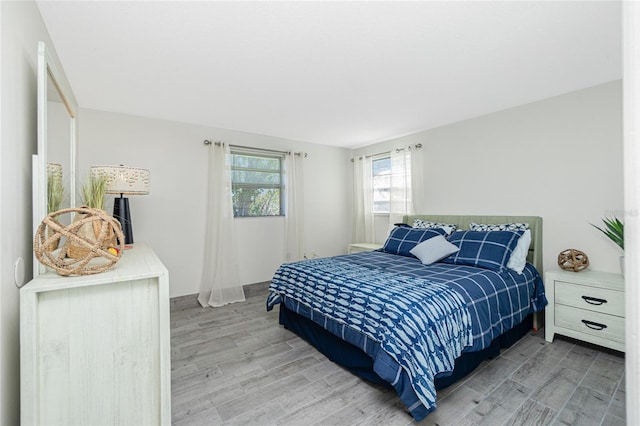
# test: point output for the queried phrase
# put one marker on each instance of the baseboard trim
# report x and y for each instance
(256, 289)
(181, 302)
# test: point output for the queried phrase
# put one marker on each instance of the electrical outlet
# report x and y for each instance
(18, 272)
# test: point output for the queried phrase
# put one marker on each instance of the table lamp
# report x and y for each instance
(124, 181)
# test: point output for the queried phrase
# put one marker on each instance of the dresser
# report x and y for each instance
(359, 247)
(587, 305)
(95, 349)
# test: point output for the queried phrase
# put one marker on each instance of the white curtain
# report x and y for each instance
(400, 189)
(418, 197)
(363, 229)
(294, 211)
(220, 276)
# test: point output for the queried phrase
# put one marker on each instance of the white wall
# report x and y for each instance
(560, 158)
(171, 219)
(21, 29)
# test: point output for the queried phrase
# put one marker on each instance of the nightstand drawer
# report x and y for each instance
(595, 299)
(608, 327)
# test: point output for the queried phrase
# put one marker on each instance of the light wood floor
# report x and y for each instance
(237, 366)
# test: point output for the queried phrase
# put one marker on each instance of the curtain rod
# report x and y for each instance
(217, 143)
(417, 146)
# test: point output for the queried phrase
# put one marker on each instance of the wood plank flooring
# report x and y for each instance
(236, 365)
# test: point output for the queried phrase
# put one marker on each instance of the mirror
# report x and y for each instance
(55, 161)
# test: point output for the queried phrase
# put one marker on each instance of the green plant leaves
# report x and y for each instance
(614, 229)
(55, 192)
(94, 191)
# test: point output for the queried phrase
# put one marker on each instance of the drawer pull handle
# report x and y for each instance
(594, 300)
(594, 325)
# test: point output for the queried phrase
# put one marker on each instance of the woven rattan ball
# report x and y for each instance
(573, 260)
(80, 248)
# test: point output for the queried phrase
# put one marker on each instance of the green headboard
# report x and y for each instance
(535, 224)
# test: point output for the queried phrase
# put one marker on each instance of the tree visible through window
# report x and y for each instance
(381, 182)
(256, 179)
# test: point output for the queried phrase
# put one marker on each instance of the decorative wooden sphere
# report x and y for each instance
(85, 242)
(573, 260)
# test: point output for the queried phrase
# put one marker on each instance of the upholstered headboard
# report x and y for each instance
(535, 224)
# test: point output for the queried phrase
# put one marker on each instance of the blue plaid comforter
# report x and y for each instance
(405, 315)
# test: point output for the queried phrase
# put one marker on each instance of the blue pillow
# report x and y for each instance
(402, 239)
(484, 249)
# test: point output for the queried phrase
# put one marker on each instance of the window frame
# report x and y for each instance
(260, 153)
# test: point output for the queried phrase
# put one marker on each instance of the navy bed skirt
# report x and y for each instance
(361, 364)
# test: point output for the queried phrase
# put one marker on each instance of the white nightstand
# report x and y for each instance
(358, 247)
(586, 305)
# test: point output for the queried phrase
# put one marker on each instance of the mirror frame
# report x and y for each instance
(47, 68)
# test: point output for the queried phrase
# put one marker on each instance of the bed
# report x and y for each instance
(393, 320)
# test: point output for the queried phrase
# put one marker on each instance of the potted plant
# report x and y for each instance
(55, 196)
(614, 229)
(93, 194)
(55, 193)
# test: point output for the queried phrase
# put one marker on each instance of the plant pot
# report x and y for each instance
(89, 232)
(622, 265)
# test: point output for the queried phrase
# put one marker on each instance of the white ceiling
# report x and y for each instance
(336, 73)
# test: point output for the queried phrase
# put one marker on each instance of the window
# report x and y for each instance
(257, 183)
(381, 182)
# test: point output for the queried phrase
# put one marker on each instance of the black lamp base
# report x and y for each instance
(121, 213)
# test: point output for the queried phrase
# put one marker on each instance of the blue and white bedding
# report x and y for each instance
(410, 318)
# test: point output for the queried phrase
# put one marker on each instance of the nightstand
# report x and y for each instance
(359, 247)
(587, 305)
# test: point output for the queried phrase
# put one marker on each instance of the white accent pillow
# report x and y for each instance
(518, 258)
(433, 249)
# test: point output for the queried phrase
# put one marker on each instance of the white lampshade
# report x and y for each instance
(123, 180)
